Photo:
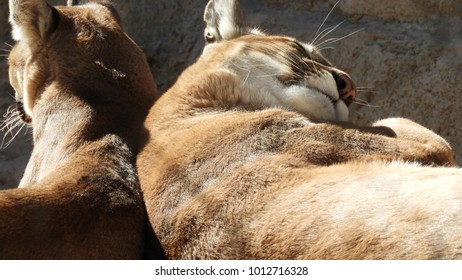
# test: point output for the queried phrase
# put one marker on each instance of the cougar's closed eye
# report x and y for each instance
(289, 80)
(302, 49)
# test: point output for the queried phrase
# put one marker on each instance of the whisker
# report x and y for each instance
(367, 104)
(327, 32)
(11, 123)
(246, 69)
(324, 21)
(366, 91)
(268, 75)
(5, 145)
(12, 126)
(8, 45)
(334, 40)
(363, 102)
(325, 48)
(9, 116)
(365, 88)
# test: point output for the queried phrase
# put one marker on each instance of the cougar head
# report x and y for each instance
(81, 51)
(283, 71)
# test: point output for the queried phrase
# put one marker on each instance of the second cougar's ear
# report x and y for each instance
(71, 3)
(32, 20)
(225, 20)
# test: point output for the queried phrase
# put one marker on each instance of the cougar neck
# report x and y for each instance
(58, 125)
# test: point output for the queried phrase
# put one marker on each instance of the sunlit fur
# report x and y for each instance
(234, 169)
(84, 87)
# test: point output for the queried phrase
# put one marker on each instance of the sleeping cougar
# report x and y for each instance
(247, 159)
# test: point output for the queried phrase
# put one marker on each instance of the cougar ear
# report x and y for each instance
(71, 3)
(31, 20)
(225, 20)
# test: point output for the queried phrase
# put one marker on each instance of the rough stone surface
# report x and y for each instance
(406, 55)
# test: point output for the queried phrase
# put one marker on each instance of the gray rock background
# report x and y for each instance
(407, 55)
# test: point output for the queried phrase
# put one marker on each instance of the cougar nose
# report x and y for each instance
(345, 87)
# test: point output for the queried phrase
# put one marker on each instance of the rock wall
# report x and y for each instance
(405, 55)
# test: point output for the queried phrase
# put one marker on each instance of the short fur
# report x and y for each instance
(243, 162)
(85, 87)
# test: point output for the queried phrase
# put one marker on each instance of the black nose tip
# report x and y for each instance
(345, 87)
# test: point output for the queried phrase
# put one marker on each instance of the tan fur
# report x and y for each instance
(227, 176)
(86, 87)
